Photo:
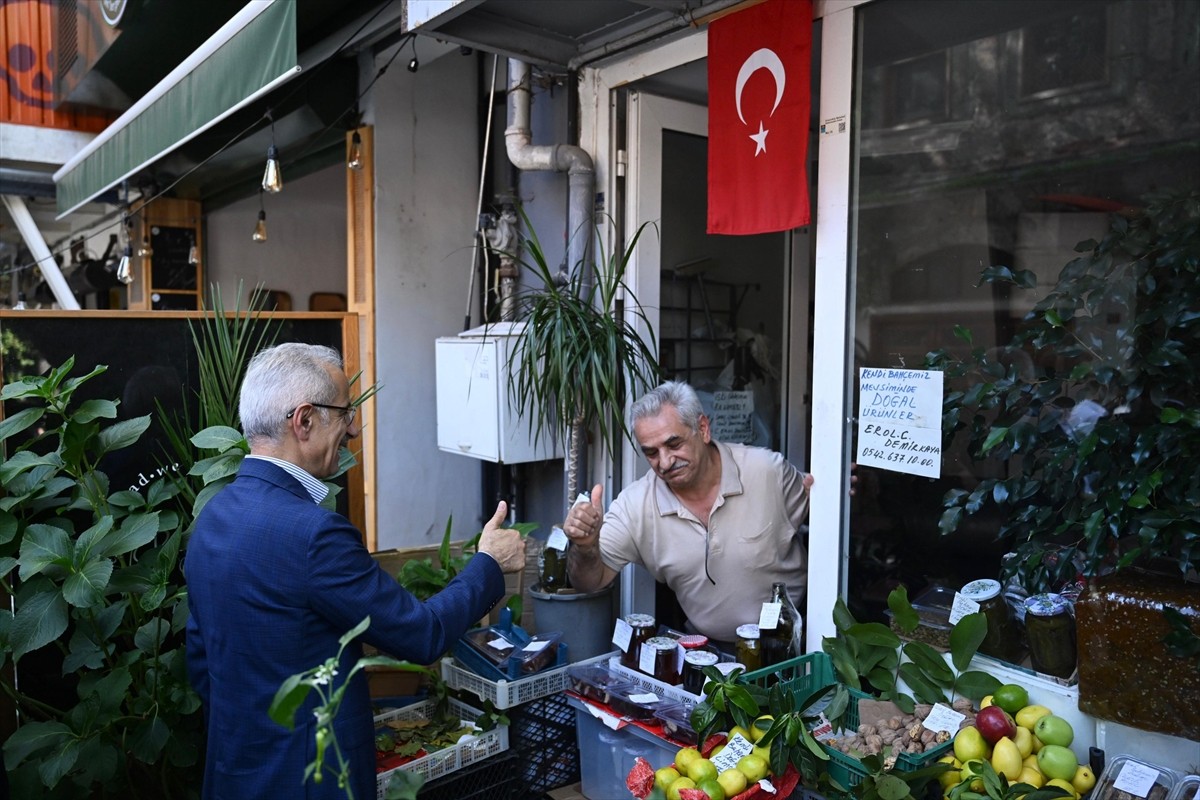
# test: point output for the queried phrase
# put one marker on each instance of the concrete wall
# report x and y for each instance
(305, 250)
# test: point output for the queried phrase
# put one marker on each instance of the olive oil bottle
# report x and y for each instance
(777, 640)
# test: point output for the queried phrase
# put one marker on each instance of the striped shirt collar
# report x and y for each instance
(316, 488)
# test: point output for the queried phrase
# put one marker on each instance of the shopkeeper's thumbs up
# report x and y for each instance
(583, 520)
(503, 544)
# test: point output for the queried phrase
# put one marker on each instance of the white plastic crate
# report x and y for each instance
(448, 759)
(506, 693)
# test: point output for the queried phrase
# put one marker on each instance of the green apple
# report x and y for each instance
(1056, 761)
(1054, 730)
(711, 787)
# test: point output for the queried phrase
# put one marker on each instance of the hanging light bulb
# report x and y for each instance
(125, 268)
(356, 158)
(144, 249)
(413, 64)
(272, 176)
(193, 255)
(260, 228)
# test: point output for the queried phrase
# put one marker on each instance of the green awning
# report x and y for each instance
(249, 56)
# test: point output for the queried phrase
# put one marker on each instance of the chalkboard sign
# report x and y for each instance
(150, 356)
(171, 268)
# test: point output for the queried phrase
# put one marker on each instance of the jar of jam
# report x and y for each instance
(748, 647)
(643, 629)
(1002, 639)
(693, 662)
(658, 659)
(1050, 629)
(693, 641)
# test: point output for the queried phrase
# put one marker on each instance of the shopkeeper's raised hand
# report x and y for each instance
(503, 544)
(582, 526)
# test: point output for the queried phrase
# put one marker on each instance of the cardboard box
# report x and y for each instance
(572, 792)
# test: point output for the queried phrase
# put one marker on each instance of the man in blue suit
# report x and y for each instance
(274, 580)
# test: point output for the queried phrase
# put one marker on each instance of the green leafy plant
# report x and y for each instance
(997, 787)
(577, 357)
(424, 578)
(1098, 434)
(790, 736)
(1181, 641)
(322, 679)
(93, 574)
(727, 703)
(872, 652)
(883, 783)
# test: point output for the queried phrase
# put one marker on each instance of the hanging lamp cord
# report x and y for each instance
(477, 250)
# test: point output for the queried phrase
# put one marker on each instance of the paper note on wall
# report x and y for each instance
(900, 420)
(733, 416)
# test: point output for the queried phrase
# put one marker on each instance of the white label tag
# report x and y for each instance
(961, 607)
(943, 718)
(500, 644)
(557, 539)
(767, 786)
(768, 618)
(610, 720)
(824, 728)
(1137, 779)
(581, 498)
(535, 647)
(679, 658)
(735, 748)
(622, 635)
(644, 699)
(646, 660)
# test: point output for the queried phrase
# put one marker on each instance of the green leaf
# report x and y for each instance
(995, 437)
(149, 637)
(43, 546)
(85, 586)
(925, 689)
(930, 661)
(33, 737)
(53, 769)
(90, 410)
(218, 437)
(122, 434)
(843, 620)
(148, 739)
(18, 422)
(288, 699)
(135, 531)
(891, 788)
(355, 632)
(965, 638)
(975, 685)
(902, 610)
(875, 633)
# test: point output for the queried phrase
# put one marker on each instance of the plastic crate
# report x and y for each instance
(497, 778)
(650, 684)
(813, 671)
(506, 693)
(448, 759)
(466, 655)
(542, 735)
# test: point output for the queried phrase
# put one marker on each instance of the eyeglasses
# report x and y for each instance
(348, 412)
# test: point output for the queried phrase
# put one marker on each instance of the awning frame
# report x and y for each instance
(100, 165)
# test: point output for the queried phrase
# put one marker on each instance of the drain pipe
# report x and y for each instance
(581, 177)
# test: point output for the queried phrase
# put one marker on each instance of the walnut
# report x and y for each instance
(894, 723)
(941, 736)
(889, 762)
(866, 730)
(928, 737)
(915, 730)
(874, 744)
(888, 735)
(922, 710)
(962, 705)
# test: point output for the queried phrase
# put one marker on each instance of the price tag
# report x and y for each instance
(500, 644)
(943, 718)
(536, 647)
(768, 618)
(961, 607)
(767, 786)
(824, 728)
(622, 635)
(581, 498)
(646, 660)
(1137, 779)
(645, 699)
(679, 658)
(735, 748)
(557, 539)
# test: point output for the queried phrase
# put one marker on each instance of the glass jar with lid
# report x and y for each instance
(693, 662)
(748, 647)
(658, 659)
(1050, 629)
(642, 626)
(1002, 640)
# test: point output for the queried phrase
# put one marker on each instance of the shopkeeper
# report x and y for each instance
(717, 523)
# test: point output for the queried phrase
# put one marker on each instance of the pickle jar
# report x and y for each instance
(658, 659)
(1050, 629)
(748, 648)
(643, 628)
(693, 662)
(1002, 639)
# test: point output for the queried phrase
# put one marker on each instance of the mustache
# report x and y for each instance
(676, 465)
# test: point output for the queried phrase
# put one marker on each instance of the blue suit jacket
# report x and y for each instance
(274, 581)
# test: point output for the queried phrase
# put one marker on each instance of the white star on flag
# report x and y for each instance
(760, 139)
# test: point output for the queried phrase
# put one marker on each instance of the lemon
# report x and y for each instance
(701, 769)
(1031, 776)
(760, 727)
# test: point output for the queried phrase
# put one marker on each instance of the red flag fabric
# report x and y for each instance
(759, 63)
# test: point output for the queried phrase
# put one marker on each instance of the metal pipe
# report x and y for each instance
(41, 253)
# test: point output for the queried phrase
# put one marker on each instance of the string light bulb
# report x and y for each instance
(144, 249)
(413, 64)
(260, 228)
(125, 267)
(355, 161)
(272, 176)
(193, 255)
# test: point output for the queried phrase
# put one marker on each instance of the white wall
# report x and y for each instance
(426, 174)
(305, 250)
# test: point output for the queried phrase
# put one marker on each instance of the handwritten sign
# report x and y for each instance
(900, 420)
(732, 416)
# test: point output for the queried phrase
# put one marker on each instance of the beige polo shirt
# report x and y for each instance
(751, 539)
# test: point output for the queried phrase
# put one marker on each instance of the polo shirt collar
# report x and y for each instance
(731, 483)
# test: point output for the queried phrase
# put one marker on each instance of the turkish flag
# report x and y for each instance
(758, 103)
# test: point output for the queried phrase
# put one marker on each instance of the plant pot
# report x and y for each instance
(584, 618)
(1126, 673)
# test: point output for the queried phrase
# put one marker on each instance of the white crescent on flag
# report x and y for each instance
(763, 58)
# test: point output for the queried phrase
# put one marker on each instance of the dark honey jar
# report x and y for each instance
(643, 628)
(659, 659)
(693, 662)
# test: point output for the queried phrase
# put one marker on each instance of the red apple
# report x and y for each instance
(994, 723)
